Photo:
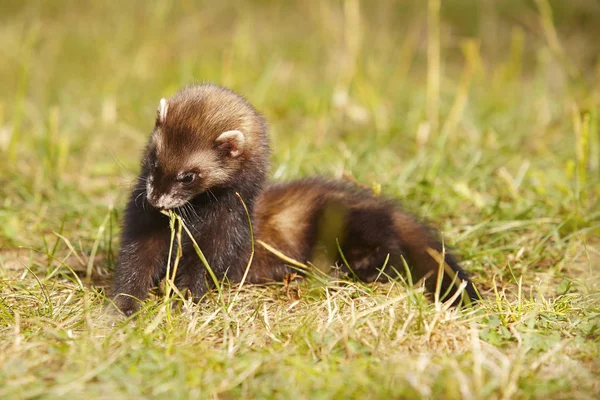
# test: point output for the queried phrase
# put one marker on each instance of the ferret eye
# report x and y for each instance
(187, 178)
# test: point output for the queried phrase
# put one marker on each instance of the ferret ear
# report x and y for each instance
(233, 141)
(161, 113)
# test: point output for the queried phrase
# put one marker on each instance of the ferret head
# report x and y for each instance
(206, 137)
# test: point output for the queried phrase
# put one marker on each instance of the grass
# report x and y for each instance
(482, 117)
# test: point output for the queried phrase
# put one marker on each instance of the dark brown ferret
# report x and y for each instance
(208, 146)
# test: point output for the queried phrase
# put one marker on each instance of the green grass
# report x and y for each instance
(497, 142)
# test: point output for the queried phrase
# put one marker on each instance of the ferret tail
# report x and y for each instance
(430, 261)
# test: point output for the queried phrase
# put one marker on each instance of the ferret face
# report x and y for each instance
(176, 174)
(199, 143)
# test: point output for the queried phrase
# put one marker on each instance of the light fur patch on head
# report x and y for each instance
(200, 160)
(206, 161)
(163, 108)
(237, 139)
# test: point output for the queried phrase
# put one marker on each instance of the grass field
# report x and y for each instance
(483, 118)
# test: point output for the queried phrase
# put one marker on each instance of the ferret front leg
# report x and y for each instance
(192, 275)
(139, 268)
(144, 249)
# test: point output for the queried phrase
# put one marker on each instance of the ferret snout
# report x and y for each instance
(161, 200)
(164, 201)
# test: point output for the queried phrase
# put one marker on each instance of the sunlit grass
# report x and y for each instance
(489, 129)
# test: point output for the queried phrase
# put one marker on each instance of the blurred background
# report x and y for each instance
(463, 113)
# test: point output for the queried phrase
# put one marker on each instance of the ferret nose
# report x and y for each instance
(153, 200)
(154, 197)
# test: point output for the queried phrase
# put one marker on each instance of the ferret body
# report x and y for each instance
(335, 223)
(208, 146)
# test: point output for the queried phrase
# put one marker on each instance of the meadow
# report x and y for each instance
(481, 116)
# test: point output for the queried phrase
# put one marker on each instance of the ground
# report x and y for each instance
(483, 119)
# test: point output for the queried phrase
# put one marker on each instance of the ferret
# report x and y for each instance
(209, 146)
